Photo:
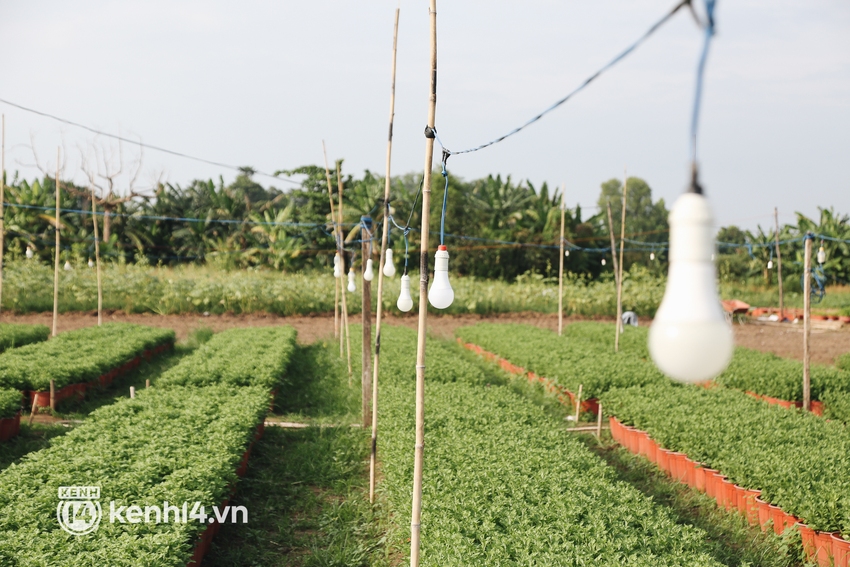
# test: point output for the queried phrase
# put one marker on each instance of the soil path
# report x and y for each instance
(783, 341)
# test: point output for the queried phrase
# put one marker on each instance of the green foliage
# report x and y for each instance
(504, 484)
(798, 461)
(583, 356)
(843, 361)
(253, 356)
(77, 356)
(771, 375)
(168, 444)
(15, 335)
(10, 402)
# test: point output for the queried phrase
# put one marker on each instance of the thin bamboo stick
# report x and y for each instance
(32, 411)
(97, 261)
(620, 267)
(599, 422)
(561, 266)
(336, 307)
(381, 261)
(2, 202)
(56, 256)
(366, 321)
(578, 402)
(53, 396)
(419, 449)
(616, 271)
(779, 266)
(344, 304)
(807, 323)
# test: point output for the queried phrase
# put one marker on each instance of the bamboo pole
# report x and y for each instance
(97, 261)
(578, 403)
(561, 266)
(344, 303)
(366, 321)
(380, 308)
(32, 411)
(2, 202)
(779, 266)
(336, 306)
(616, 272)
(419, 448)
(807, 322)
(620, 266)
(56, 255)
(599, 422)
(338, 238)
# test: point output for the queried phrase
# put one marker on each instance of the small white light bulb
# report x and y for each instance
(67, 266)
(29, 253)
(603, 261)
(389, 267)
(690, 340)
(821, 255)
(770, 264)
(405, 302)
(368, 272)
(566, 252)
(652, 255)
(351, 286)
(91, 263)
(337, 267)
(441, 293)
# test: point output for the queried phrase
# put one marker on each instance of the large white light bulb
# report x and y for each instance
(389, 267)
(405, 302)
(821, 255)
(652, 255)
(67, 266)
(770, 264)
(91, 263)
(441, 293)
(29, 252)
(690, 340)
(368, 272)
(351, 287)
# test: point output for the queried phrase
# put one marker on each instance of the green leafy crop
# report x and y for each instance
(10, 402)
(14, 335)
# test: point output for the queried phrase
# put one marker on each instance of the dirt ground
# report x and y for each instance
(784, 341)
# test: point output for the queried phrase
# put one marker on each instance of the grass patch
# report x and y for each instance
(31, 438)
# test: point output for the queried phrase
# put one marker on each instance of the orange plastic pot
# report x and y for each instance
(634, 445)
(823, 548)
(711, 481)
(652, 450)
(778, 516)
(749, 507)
(807, 534)
(675, 460)
(690, 472)
(763, 513)
(730, 494)
(663, 456)
(840, 551)
(699, 478)
(10, 427)
(817, 408)
(615, 426)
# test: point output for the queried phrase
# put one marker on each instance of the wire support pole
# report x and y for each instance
(779, 266)
(418, 459)
(381, 261)
(366, 330)
(561, 265)
(339, 185)
(620, 266)
(56, 255)
(2, 201)
(97, 260)
(616, 271)
(807, 322)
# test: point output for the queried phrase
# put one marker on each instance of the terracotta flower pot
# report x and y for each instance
(710, 482)
(778, 516)
(808, 536)
(823, 551)
(699, 478)
(748, 506)
(763, 513)
(652, 450)
(691, 467)
(676, 460)
(730, 495)
(614, 424)
(663, 456)
(840, 551)
(817, 408)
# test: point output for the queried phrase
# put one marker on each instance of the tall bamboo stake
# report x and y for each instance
(338, 238)
(807, 322)
(344, 304)
(366, 321)
(561, 266)
(620, 267)
(419, 449)
(779, 266)
(616, 271)
(381, 262)
(97, 261)
(336, 307)
(2, 202)
(56, 255)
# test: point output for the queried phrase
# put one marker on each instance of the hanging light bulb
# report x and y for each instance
(690, 340)
(337, 269)
(405, 302)
(652, 255)
(29, 253)
(770, 264)
(821, 255)
(67, 265)
(91, 263)
(566, 252)
(368, 273)
(603, 261)
(389, 267)
(441, 294)
(351, 286)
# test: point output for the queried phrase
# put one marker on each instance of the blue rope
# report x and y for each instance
(445, 199)
(709, 33)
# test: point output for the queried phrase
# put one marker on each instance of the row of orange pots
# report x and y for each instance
(10, 427)
(826, 548)
(816, 405)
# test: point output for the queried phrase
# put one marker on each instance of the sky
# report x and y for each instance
(263, 83)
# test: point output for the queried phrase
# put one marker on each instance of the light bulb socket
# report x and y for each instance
(695, 186)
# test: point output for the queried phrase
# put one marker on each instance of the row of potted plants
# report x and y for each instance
(826, 548)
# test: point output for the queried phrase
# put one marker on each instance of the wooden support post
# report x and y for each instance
(56, 256)
(419, 447)
(599, 422)
(339, 185)
(147, 383)
(381, 262)
(779, 266)
(32, 411)
(807, 321)
(132, 392)
(366, 321)
(561, 266)
(616, 272)
(52, 396)
(620, 265)
(2, 202)
(97, 260)
(578, 403)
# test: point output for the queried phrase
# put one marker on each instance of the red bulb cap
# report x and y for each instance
(442, 247)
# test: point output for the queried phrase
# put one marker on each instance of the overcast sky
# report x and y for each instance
(263, 83)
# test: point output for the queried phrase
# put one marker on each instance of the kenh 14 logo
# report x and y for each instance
(79, 511)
